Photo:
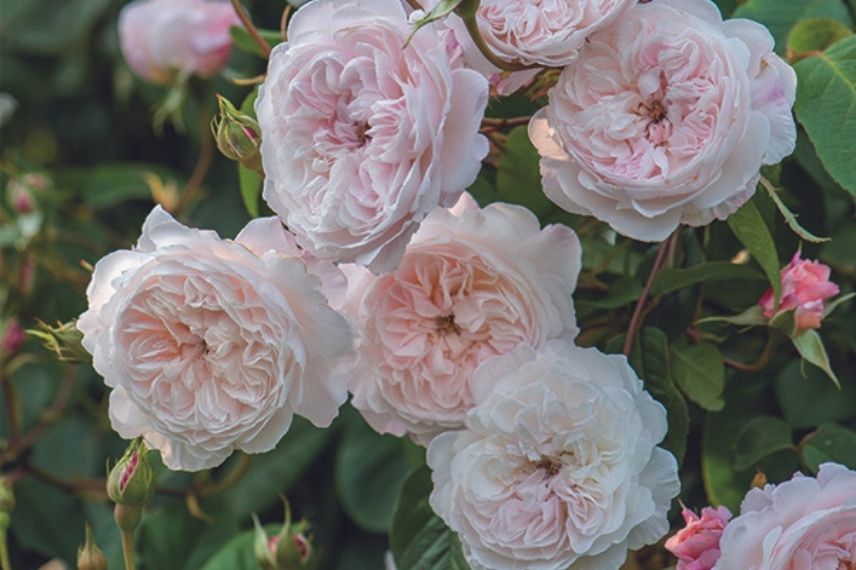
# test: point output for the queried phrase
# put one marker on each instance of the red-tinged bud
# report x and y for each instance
(238, 135)
(131, 481)
(264, 546)
(12, 336)
(89, 556)
(22, 192)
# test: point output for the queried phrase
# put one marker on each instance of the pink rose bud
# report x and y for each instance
(12, 338)
(697, 544)
(162, 39)
(805, 286)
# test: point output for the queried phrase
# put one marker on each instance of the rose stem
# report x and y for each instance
(251, 29)
(636, 319)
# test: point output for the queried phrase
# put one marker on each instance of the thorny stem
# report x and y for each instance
(251, 29)
(763, 360)
(49, 417)
(203, 163)
(229, 480)
(638, 312)
(473, 28)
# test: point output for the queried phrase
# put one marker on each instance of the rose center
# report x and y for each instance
(550, 465)
(362, 133)
(656, 111)
(446, 325)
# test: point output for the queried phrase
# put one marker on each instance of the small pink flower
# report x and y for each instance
(12, 337)
(162, 38)
(805, 286)
(697, 544)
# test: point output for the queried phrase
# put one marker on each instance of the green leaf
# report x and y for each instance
(831, 442)
(816, 34)
(621, 293)
(790, 217)
(749, 227)
(108, 185)
(808, 399)
(237, 553)
(244, 41)
(47, 520)
(518, 179)
(418, 538)
(779, 16)
(699, 372)
(810, 346)
(171, 537)
(274, 472)
(650, 360)
(826, 107)
(251, 188)
(669, 280)
(751, 317)
(370, 470)
(837, 303)
(761, 437)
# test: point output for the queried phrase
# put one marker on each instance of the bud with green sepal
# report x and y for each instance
(130, 485)
(290, 549)
(237, 134)
(89, 556)
(64, 340)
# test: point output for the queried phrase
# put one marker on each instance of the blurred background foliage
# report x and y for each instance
(81, 145)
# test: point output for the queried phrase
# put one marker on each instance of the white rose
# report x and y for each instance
(665, 118)
(473, 283)
(361, 136)
(213, 345)
(558, 466)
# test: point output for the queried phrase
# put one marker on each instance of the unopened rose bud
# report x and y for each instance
(12, 336)
(131, 481)
(89, 556)
(64, 340)
(264, 546)
(295, 551)
(805, 288)
(237, 134)
(22, 191)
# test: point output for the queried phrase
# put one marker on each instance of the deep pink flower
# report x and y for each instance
(697, 544)
(805, 287)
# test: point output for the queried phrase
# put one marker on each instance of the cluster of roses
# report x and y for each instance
(449, 323)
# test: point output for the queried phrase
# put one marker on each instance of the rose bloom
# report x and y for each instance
(532, 32)
(805, 286)
(558, 466)
(362, 137)
(697, 545)
(473, 283)
(213, 345)
(665, 118)
(802, 524)
(162, 39)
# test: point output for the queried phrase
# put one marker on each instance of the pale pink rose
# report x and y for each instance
(558, 466)
(801, 524)
(163, 39)
(697, 544)
(473, 283)
(213, 345)
(362, 137)
(805, 286)
(665, 118)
